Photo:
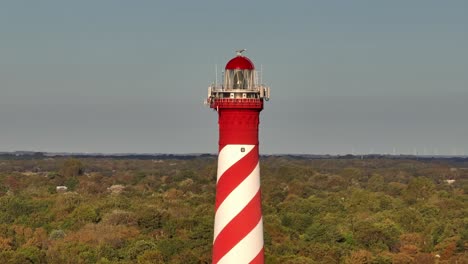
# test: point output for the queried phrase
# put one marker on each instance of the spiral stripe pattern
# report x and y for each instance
(238, 234)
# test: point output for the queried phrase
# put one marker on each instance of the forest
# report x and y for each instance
(144, 210)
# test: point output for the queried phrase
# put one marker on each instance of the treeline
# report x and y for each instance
(161, 210)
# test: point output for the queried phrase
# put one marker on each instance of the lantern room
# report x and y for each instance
(240, 83)
(239, 73)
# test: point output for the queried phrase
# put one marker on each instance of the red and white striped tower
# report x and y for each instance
(238, 230)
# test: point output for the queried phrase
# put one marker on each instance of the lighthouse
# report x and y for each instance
(238, 226)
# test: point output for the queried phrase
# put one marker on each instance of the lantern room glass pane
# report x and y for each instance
(238, 79)
(238, 82)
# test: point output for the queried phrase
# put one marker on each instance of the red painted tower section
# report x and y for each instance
(238, 231)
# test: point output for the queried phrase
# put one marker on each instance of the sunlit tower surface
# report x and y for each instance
(238, 227)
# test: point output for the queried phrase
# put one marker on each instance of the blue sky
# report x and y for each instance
(131, 76)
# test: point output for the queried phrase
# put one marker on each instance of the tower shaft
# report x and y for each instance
(238, 233)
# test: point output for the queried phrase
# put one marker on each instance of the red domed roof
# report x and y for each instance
(240, 62)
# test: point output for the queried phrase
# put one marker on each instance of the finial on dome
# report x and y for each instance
(239, 52)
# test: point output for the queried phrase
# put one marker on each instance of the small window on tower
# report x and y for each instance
(242, 149)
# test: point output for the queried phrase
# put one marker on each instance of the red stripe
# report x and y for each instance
(235, 175)
(239, 227)
(259, 259)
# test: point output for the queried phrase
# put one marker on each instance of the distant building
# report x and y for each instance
(449, 182)
(116, 188)
(61, 188)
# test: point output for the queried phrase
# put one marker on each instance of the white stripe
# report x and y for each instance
(237, 200)
(247, 249)
(229, 155)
